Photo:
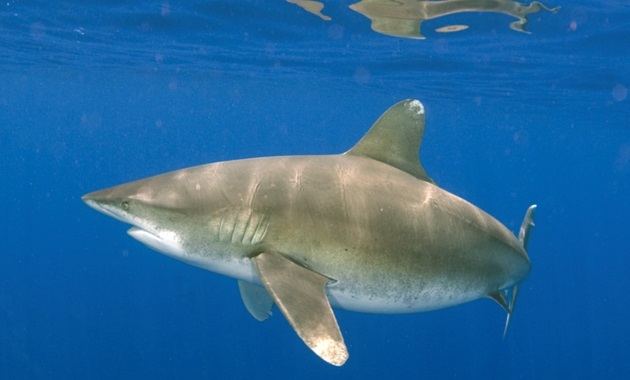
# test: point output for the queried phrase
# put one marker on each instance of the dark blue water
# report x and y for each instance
(93, 94)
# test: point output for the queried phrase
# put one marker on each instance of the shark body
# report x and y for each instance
(366, 231)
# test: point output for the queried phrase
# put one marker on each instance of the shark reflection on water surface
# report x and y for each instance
(403, 18)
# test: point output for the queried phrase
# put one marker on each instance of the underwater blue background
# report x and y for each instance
(94, 94)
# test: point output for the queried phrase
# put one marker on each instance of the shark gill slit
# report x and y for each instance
(261, 229)
(235, 227)
(243, 227)
(251, 228)
(246, 238)
(225, 231)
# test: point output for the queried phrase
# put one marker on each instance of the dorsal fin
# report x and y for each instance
(395, 139)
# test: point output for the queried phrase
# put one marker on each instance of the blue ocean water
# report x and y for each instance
(94, 94)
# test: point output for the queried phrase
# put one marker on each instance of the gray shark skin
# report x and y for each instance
(366, 230)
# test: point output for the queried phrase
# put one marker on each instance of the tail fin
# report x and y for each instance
(526, 226)
(514, 293)
(501, 296)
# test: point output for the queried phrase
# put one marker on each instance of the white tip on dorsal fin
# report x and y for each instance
(395, 139)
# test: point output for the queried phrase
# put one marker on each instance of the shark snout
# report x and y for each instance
(105, 202)
(91, 200)
(97, 197)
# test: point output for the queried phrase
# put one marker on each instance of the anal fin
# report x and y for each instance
(300, 294)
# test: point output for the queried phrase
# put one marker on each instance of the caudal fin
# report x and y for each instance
(526, 226)
(501, 296)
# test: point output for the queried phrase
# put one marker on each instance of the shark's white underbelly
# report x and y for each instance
(344, 293)
(429, 299)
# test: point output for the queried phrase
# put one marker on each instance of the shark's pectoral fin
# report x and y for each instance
(300, 294)
(256, 300)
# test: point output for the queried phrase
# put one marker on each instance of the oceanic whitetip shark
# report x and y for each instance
(366, 230)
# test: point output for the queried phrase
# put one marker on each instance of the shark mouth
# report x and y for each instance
(109, 211)
(166, 242)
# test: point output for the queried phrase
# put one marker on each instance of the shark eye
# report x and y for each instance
(124, 205)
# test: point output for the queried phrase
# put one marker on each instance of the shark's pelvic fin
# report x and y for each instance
(501, 299)
(256, 300)
(395, 139)
(300, 294)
